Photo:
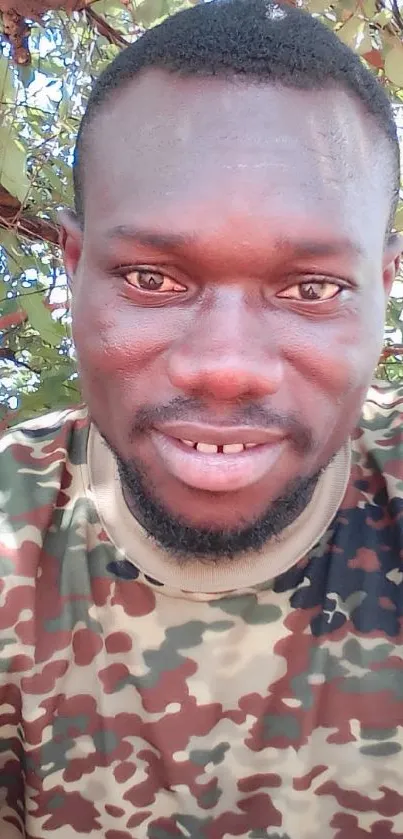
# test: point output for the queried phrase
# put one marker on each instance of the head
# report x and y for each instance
(230, 258)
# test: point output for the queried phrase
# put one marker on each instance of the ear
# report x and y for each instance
(391, 260)
(71, 242)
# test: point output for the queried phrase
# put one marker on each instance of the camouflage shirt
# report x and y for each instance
(141, 700)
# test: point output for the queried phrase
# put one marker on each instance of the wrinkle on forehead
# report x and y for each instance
(163, 118)
(181, 136)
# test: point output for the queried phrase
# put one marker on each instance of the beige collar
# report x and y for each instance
(244, 573)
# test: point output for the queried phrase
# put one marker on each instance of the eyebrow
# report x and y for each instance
(325, 248)
(298, 248)
(152, 238)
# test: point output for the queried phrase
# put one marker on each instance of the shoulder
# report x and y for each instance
(44, 427)
(38, 462)
(379, 436)
(384, 400)
(35, 442)
(382, 414)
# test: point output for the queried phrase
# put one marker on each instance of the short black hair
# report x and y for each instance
(257, 39)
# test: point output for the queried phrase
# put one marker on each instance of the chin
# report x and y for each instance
(215, 513)
(209, 525)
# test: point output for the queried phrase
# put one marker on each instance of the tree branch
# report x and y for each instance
(105, 29)
(397, 15)
(395, 27)
(393, 350)
(17, 32)
(33, 227)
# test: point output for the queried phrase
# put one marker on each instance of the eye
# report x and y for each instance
(312, 291)
(153, 281)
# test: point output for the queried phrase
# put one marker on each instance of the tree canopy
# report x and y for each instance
(51, 50)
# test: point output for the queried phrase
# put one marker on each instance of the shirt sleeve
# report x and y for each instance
(12, 663)
(32, 468)
(11, 750)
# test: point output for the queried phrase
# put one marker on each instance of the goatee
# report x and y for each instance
(187, 542)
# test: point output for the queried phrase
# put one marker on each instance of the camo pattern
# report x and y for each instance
(128, 710)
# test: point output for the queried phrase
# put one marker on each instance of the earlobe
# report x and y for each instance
(71, 241)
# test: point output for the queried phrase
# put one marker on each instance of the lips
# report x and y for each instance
(217, 459)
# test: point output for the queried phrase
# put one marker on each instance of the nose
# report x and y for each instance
(227, 354)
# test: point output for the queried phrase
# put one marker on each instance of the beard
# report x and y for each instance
(186, 542)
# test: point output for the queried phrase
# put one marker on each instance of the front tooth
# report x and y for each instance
(189, 443)
(232, 448)
(207, 448)
(250, 445)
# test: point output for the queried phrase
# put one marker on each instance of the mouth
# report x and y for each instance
(219, 459)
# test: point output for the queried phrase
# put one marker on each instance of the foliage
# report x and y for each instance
(46, 70)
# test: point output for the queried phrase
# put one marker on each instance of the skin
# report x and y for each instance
(245, 194)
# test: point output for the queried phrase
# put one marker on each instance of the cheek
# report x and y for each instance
(115, 340)
(93, 330)
(338, 356)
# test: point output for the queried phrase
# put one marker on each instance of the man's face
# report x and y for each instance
(229, 292)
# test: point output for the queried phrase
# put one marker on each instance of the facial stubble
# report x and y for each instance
(186, 542)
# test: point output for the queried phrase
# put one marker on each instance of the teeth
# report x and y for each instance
(211, 448)
(207, 448)
(233, 448)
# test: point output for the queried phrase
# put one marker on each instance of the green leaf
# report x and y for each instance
(13, 165)
(364, 40)
(382, 18)
(394, 64)
(26, 74)
(52, 67)
(54, 180)
(9, 306)
(148, 12)
(4, 289)
(7, 89)
(351, 31)
(9, 240)
(41, 319)
(345, 8)
(399, 219)
(317, 7)
(369, 8)
(52, 391)
(109, 8)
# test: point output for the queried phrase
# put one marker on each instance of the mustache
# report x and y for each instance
(187, 409)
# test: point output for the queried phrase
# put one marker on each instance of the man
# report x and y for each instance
(201, 584)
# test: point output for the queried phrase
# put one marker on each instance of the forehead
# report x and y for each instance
(167, 146)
